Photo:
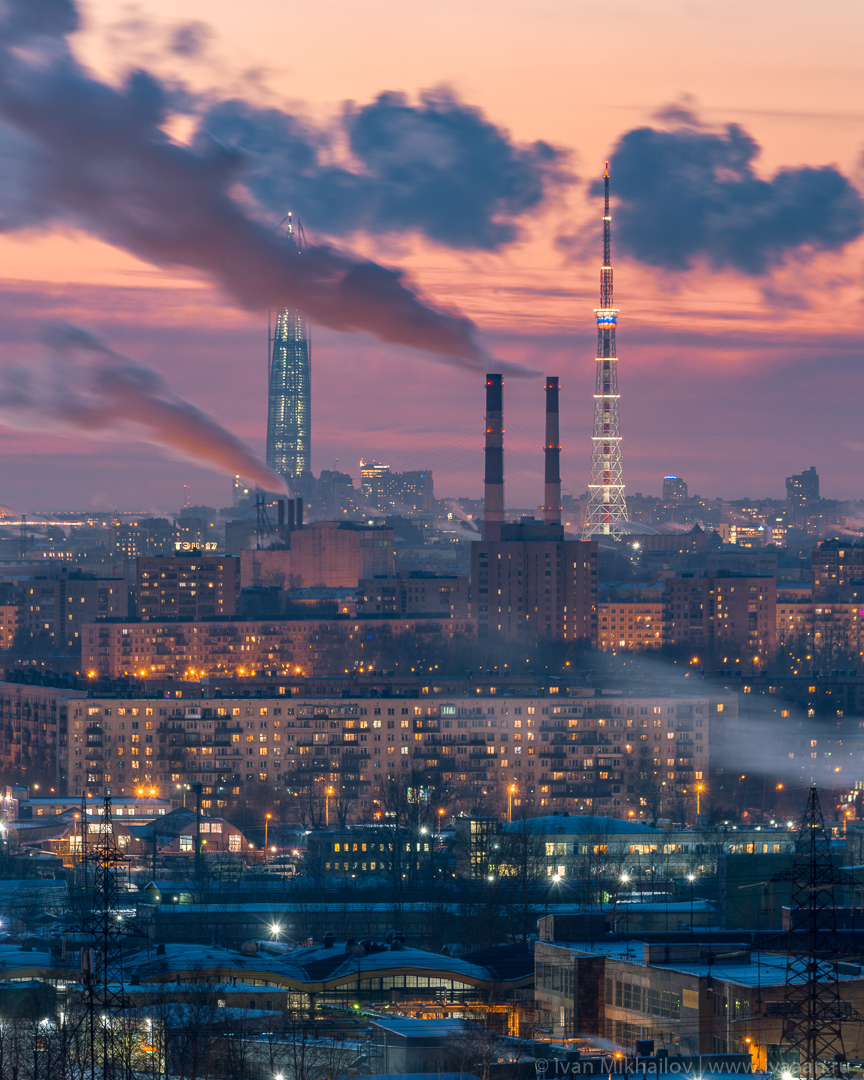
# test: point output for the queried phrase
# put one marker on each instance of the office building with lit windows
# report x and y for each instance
(289, 401)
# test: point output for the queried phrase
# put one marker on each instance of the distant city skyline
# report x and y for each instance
(733, 375)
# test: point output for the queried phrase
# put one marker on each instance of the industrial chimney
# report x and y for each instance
(552, 454)
(493, 506)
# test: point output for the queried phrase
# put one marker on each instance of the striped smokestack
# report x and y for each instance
(493, 506)
(552, 454)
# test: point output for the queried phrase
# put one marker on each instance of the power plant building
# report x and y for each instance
(534, 583)
(528, 581)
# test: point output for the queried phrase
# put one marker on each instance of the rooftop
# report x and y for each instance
(762, 968)
(578, 823)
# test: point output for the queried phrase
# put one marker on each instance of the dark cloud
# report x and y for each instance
(189, 39)
(24, 18)
(681, 113)
(691, 194)
(95, 156)
(439, 168)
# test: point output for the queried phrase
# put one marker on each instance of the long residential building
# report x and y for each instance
(821, 624)
(196, 650)
(621, 756)
(718, 613)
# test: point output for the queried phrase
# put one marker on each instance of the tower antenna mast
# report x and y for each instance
(607, 509)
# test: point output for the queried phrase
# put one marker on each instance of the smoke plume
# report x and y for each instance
(692, 193)
(85, 387)
(79, 151)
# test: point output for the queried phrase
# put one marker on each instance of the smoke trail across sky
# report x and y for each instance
(85, 387)
(77, 150)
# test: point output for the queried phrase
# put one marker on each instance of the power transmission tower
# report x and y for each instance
(107, 926)
(812, 1010)
(265, 534)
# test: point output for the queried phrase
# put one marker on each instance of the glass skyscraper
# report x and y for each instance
(289, 401)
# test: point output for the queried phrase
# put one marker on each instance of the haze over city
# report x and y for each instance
(741, 349)
(431, 540)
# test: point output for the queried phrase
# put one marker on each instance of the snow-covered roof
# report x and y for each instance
(577, 823)
(303, 966)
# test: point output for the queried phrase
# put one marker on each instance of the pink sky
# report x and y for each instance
(719, 384)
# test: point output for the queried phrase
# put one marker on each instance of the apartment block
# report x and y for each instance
(415, 593)
(151, 536)
(823, 624)
(8, 626)
(534, 584)
(633, 625)
(835, 563)
(196, 650)
(33, 733)
(188, 587)
(54, 608)
(591, 754)
(721, 613)
(397, 493)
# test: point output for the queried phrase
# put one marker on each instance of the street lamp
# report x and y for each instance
(691, 878)
(511, 791)
(327, 793)
(440, 815)
(699, 789)
(266, 824)
(625, 878)
(552, 879)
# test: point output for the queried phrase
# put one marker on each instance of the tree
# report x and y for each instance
(652, 791)
(523, 865)
(408, 817)
(480, 1043)
(308, 1050)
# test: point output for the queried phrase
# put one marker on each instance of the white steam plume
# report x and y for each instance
(85, 387)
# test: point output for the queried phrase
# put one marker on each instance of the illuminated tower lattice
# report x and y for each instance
(607, 510)
(289, 397)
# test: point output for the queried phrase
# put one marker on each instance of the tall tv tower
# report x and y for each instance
(289, 403)
(607, 510)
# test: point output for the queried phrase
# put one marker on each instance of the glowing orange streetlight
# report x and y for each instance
(440, 815)
(266, 824)
(327, 793)
(511, 791)
(699, 789)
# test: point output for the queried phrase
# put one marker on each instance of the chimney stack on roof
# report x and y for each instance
(493, 506)
(552, 454)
